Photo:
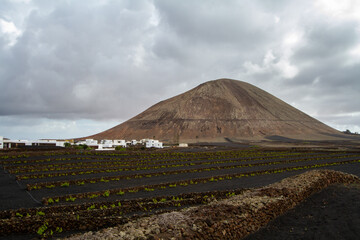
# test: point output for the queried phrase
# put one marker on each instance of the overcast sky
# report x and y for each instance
(74, 68)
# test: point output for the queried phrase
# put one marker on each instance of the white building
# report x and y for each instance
(183, 145)
(118, 142)
(60, 143)
(91, 142)
(18, 143)
(143, 141)
(102, 145)
(106, 143)
(153, 143)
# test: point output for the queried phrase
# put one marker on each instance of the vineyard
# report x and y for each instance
(56, 193)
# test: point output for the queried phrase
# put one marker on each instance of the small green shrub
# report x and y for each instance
(120, 148)
(65, 184)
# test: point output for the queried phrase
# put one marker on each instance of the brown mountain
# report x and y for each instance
(218, 110)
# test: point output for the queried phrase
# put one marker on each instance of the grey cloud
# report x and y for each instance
(328, 40)
(109, 60)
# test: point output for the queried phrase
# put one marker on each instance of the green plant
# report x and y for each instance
(91, 207)
(106, 193)
(42, 229)
(93, 196)
(230, 194)
(65, 184)
(50, 201)
(40, 213)
(19, 215)
(120, 148)
(103, 180)
(70, 199)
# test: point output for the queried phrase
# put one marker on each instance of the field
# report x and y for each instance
(57, 193)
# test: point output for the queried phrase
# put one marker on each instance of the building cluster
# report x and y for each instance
(112, 144)
(95, 144)
(10, 143)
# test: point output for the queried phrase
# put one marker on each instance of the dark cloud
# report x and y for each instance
(109, 60)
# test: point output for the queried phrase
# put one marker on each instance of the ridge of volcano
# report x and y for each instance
(217, 111)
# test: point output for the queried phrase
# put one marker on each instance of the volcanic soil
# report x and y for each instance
(333, 213)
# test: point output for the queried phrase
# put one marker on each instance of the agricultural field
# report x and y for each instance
(46, 194)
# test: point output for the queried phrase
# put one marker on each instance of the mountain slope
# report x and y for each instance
(216, 110)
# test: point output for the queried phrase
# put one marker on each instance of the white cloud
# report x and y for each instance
(344, 9)
(272, 65)
(276, 19)
(10, 31)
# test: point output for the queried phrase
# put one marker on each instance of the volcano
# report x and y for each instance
(216, 111)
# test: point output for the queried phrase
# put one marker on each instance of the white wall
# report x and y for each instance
(153, 143)
(91, 142)
(1, 142)
(119, 142)
(60, 143)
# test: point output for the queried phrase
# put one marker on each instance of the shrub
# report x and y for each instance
(65, 184)
(120, 148)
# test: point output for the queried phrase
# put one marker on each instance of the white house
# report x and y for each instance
(91, 142)
(118, 142)
(17, 143)
(153, 143)
(60, 143)
(103, 147)
(133, 142)
(143, 141)
(106, 143)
